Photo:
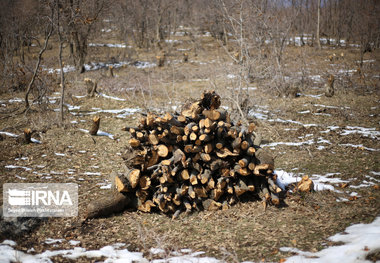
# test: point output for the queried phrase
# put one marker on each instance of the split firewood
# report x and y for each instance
(133, 177)
(122, 184)
(196, 158)
(95, 125)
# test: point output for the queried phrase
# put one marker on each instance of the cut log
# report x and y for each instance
(133, 177)
(146, 207)
(193, 177)
(211, 205)
(95, 125)
(240, 188)
(205, 176)
(144, 182)
(225, 152)
(134, 142)
(185, 175)
(153, 139)
(251, 151)
(162, 150)
(265, 158)
(200, 191)
(215, 115)
(112, 202)
(122, 184)
(206, 157)
(243, 162)
(208, 148)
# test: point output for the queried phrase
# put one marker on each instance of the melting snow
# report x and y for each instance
(320, 181)
(92, 173)
(359, 241)
(359, 146)
(108, 45)
(53, 241)
(367, 132)
(17, 167)
(111, 97)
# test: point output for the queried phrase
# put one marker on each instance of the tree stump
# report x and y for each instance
(27, 135)
(95, 125)
(91, 87)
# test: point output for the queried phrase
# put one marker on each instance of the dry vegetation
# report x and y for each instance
(237, 48)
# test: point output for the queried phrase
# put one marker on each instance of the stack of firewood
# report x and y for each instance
(197, 159)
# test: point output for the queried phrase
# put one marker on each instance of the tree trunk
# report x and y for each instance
(318, 24)
(62, 74)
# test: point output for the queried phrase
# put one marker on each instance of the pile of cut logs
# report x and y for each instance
(197, 159)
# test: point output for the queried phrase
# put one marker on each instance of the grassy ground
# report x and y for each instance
(244, 232)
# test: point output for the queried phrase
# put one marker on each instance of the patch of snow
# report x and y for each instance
(53, 241)
(9, 243)
(318, 96)
(316, 78)
(273, 144)
(17, 167)
(60, 154)
(156, 251)
(359, 241)
(108, 45)
(80, 96)
(359, 146)
(199, 80)
(348, 72)
(173, 41)
(9, 134)
(321, 114)
(74, 242)
(367, 132)
(92, 173)
(110, 97)
(107, 186)
(103, 133)
(15, 100)
(320, 181)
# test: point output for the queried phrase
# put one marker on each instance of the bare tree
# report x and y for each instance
(48, 32)
(79, 17)
(62, 73)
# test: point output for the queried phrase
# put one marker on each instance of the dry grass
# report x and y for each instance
(246, 231)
